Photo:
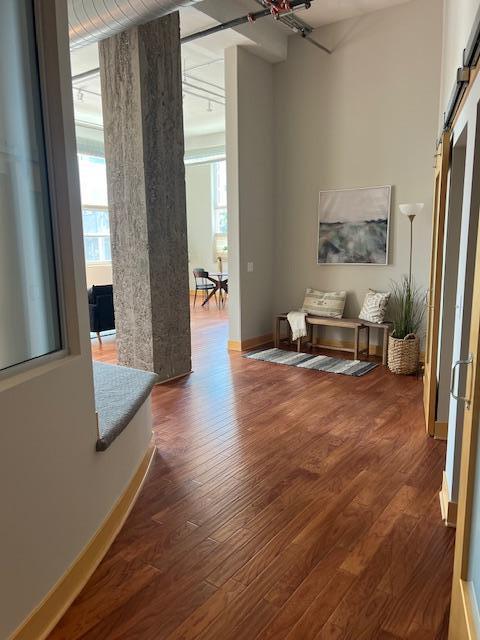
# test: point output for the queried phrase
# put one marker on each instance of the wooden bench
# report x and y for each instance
(346, 323)
(386, 329)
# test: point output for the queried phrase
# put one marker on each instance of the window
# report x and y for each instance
(29, 305)
(220, 196)
(220, 216)
(96, 235)
(96, 223)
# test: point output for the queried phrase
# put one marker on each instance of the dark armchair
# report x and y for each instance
(100, 305)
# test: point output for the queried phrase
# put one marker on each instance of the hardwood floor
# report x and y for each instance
(283, 504)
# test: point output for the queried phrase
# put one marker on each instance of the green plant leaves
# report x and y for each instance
(406, 308)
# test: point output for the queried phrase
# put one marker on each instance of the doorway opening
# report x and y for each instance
(204, 100)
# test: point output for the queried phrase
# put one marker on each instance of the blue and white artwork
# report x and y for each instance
(353, 226)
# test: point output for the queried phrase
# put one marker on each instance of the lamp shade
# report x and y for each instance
(412, 209)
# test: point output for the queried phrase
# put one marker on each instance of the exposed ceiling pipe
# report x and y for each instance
(190, 85)
(230, 24)
(288, 18)
(296, 24)
(188, 88)
(93, 20)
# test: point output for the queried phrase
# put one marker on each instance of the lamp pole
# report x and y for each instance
(410, 211)
(411, 217)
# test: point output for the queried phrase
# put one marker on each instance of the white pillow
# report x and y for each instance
(374, 306)
(330, 305)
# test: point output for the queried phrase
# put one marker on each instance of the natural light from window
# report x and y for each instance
(96, 224)
(220, 216)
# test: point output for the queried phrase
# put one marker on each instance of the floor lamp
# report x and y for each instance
(410, 211)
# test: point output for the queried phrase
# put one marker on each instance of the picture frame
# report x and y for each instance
(354, 226)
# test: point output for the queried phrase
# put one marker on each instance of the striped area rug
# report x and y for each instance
(318, 363)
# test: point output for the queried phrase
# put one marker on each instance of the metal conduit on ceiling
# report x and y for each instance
(93, 20)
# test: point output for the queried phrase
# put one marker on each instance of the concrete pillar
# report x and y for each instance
(144, 146)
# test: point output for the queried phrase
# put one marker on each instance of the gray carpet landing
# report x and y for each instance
(119, 394)
(318, 363)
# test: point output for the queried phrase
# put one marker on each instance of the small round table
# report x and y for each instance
(220, 280)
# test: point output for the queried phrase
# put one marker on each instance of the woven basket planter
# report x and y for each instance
(403, 354)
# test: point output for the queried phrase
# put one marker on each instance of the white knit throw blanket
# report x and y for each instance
(296, 320)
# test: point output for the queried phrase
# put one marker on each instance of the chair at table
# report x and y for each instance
(203, 284)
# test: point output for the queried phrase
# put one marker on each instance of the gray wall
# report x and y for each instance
(251, 192)
(364, 116)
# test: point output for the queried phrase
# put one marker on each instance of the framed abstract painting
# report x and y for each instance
(353, 226)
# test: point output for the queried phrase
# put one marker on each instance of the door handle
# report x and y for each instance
(460, 363)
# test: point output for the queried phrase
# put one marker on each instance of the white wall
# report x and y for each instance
(364, 116)
(55, 489)
(198, 179)
(251, 192)
(207, 141)
(99, 273)
(457, 23)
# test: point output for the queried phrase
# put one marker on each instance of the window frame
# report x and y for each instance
(94, 207)
(216, 210)
(49, 84)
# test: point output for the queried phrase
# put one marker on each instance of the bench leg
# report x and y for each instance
(355, 353)
(276, 335)
(299, 344)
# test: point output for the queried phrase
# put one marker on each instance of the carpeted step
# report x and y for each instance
(119, 394)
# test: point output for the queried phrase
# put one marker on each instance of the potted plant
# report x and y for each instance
(406, 312)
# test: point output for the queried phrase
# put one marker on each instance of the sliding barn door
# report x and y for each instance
(434, 291)
(464, 616)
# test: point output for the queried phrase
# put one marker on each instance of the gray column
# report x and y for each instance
(144, 146)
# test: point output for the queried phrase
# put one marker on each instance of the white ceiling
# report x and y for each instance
(327, 11)
(321, 12)
(202, 61)
(203, 69)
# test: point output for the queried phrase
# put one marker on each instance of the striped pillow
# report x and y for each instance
(330, 305)
(374, 306)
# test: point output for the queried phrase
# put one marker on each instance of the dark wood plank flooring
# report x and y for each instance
(282, 504)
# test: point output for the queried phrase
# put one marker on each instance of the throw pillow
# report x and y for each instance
(330, 305)
(374, 306)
